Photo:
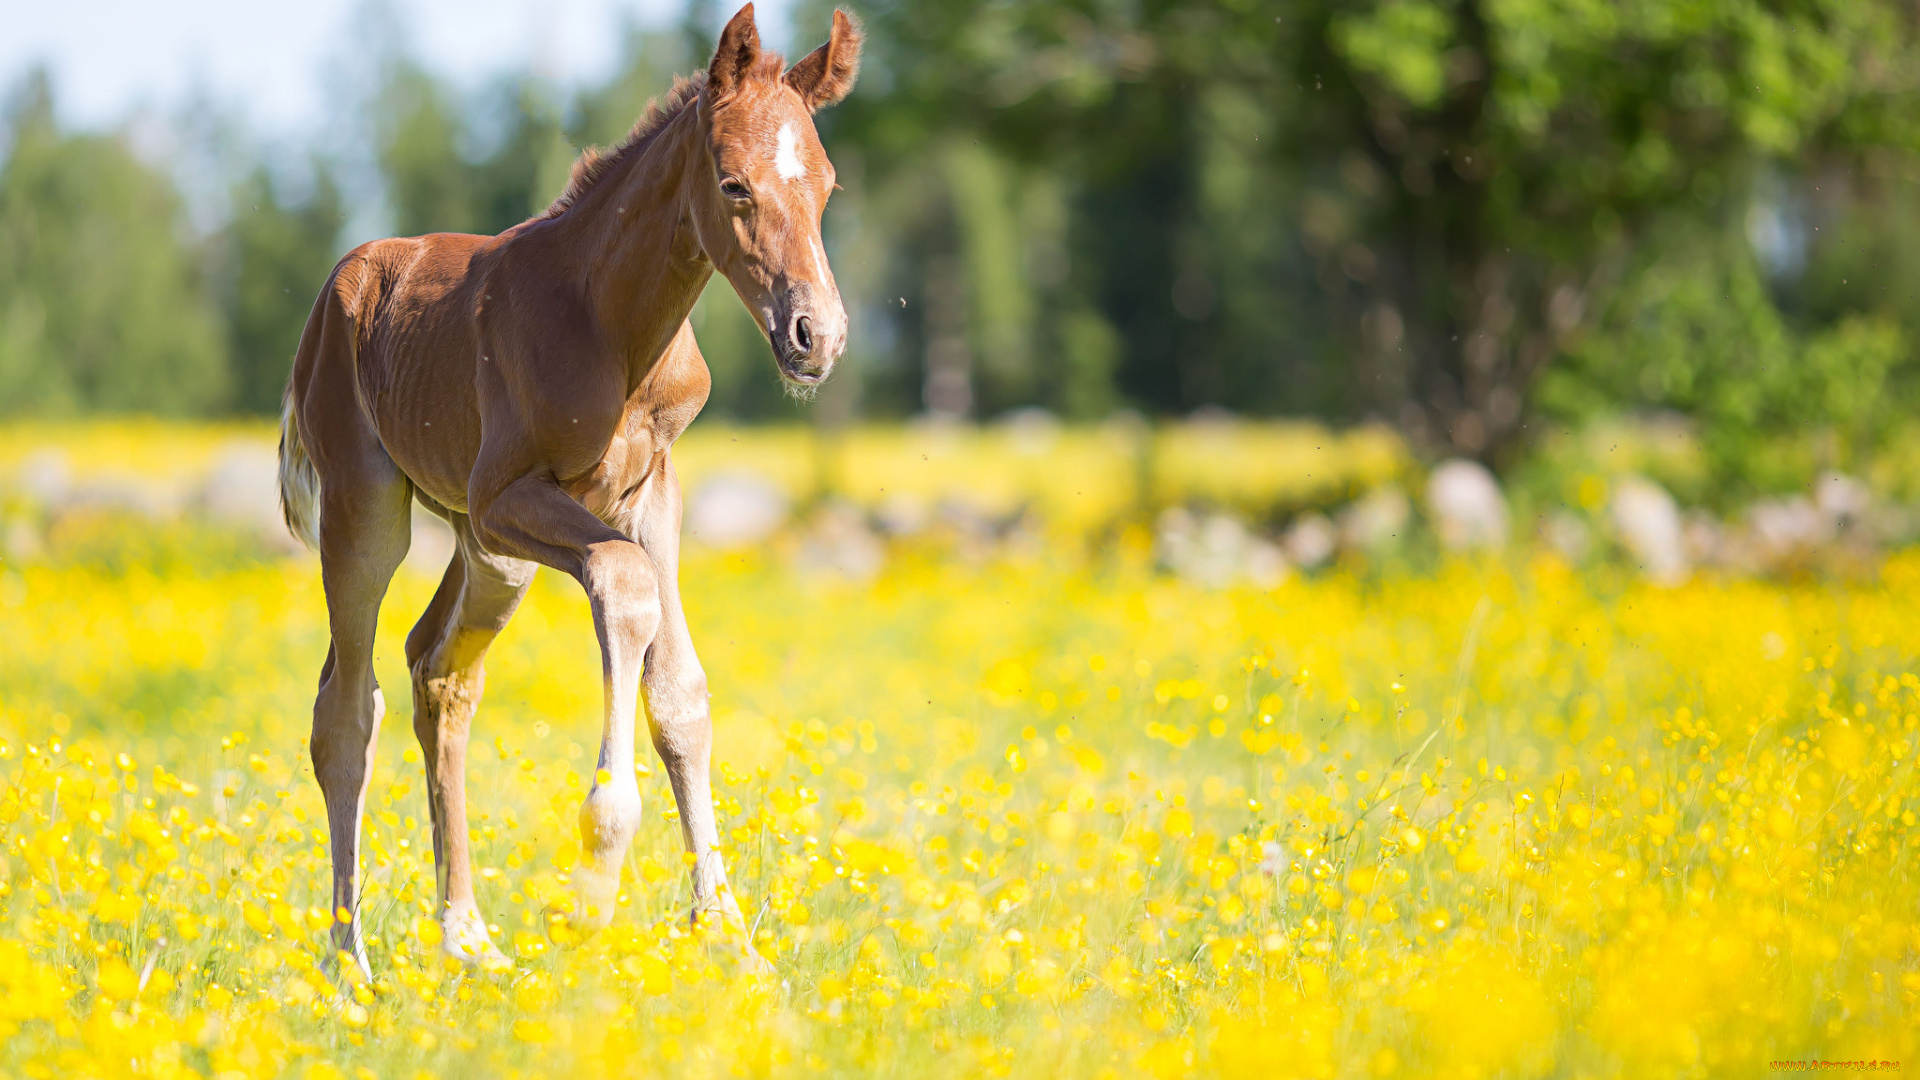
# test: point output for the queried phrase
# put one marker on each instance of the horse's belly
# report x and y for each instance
(450, 496)
(438, 464)
(433, 435)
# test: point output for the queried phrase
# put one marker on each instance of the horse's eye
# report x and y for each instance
(733, 189)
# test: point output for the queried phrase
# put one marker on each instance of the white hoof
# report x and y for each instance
(464, 937)
(729, 928)
(348, 968)
(595, 895)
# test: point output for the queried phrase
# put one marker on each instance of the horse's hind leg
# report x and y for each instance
(444, 653)
(364, 532)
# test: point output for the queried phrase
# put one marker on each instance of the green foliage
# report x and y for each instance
(426, 178)
(1402, 42)
(1085, 186)
(103, 305)
(1569, 135)
(1696, 332)
(648, 64)
(1393, 207)
(281, 250)
(436, 184)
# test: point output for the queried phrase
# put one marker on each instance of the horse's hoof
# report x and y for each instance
(729, 928)
(564, 926)
(347, 970)
(754, 963)
(485, 956)
(595, 895)
(465, 938)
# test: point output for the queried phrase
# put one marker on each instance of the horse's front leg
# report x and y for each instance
(677, 706)
(533, 519)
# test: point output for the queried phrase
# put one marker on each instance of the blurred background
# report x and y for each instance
(1612, 256)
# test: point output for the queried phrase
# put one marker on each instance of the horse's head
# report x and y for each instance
(757, 201)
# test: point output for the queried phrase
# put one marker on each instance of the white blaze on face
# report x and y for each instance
(786, 155)
(819, 260)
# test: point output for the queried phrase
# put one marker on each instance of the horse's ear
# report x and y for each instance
(826, 74)
(735, 56)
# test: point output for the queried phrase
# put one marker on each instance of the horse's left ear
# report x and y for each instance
(825, 75)
(735, 55)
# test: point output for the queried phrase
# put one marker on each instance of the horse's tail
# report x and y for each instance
(299, 481)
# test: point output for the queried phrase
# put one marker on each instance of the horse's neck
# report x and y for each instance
(645, 267)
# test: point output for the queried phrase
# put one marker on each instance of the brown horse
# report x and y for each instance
(528, 388)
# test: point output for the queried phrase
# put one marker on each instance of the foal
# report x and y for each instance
(528, 388)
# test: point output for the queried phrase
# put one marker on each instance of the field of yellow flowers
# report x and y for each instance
(1044, 814)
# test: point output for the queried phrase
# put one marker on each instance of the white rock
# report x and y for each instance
(243, 488)
(1376, 520)
(1566, 532)
(45, 476)
(1468, 509)
(433, 544)
(1310, 540)
(903, 514)
(1648, 524)
(1706, 541)
(971, 526)
(126, 492)
(1842, 498)
(735, 509)
(1782, 531)
(838, 543)
(20, 541)
(1219, 550)
(1216, 551)
(1173, 538)
(1031, 429)
(1266, 565)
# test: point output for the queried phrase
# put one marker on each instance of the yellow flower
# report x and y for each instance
(117, 980)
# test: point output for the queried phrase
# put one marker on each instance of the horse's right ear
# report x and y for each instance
(825, 75)
(735, 56)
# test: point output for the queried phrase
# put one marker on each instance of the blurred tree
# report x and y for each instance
(280, 250)
(649, 61)
(1692, 329)
(1083, 184)
(1495, 156)
(417, 127)
(524, 164)
(479, 165)
(103, 303)
(1398, 208)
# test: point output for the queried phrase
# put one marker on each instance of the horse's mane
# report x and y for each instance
(595, 162)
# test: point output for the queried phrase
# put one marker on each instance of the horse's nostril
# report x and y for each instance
(803, 334)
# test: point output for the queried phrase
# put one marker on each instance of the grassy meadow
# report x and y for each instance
(1039, 812)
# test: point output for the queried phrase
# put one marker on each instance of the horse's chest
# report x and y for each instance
(614, 486)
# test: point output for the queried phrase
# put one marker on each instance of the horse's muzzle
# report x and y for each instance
(807, 335)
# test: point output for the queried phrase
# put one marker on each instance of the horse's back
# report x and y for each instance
(394, 325)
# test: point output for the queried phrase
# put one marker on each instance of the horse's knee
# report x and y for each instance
(682, 725)
(624, 592)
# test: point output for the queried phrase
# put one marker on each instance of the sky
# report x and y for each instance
(111, 59)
